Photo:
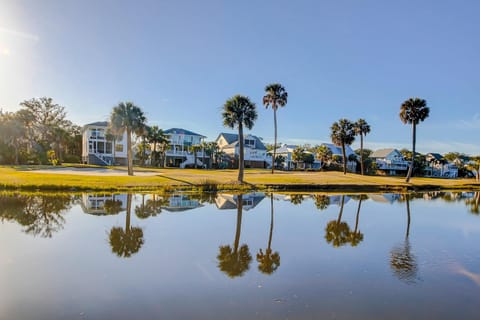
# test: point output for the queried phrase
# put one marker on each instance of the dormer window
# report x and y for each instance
(250, 143)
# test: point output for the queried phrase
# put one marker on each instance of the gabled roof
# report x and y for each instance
(232, 140)
(182, 131)
(436, 156)
(98, 124)
(285, 148)
(382, 153)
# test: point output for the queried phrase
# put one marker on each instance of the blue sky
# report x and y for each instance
(180, 60)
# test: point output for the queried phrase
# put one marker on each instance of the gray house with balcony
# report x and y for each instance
(390, 162)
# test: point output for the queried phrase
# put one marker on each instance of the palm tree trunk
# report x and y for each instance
(271, 223)
(154, 153)
(358, 215)
(408, 218)
(114, 147)
(410, 169)
(241, 151)
(344, 159)
(129, 152)
(239, 222)
(129, 208)
(361, 154)
(274, 107)
(341, 210)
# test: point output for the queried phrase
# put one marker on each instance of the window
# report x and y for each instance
(250, 143)
(119, 147)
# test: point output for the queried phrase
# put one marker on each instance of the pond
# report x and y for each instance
(250, 256)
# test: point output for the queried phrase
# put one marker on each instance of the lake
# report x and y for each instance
(250, 256)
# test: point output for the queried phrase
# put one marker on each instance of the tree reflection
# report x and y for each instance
(337, 232)
(126, 242)
(321, 201)
(473, 203)
(112, 206)
(151, 207)
(269, 262)
(40, 215)
(235, 261)
(402, 261)
(296, 199)
(356, 236)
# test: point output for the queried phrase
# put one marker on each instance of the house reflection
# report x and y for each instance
(100, 204)
(181, 202)
(384, 197)
(226, 201)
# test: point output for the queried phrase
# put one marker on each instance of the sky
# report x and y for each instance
(180, 60)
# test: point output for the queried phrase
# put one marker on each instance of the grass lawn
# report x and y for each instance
(28, 178)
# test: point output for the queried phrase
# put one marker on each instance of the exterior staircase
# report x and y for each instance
(190, 161)
(96, 160)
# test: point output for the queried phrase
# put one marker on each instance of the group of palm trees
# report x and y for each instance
(239, 112)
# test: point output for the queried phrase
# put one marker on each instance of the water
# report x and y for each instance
(118, 256)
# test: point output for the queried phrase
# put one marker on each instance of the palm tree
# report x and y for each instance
(128, 117)
(414, 111)
(324, 154)
(402, 261)
(321, 201)
(343, 133)
(337, 232)
(275, 96)
(269, 262)
(239, 111)
(362, 128)
(156, 137)
(126, 242)
(235, 261)
(298, 155)
(356, 236)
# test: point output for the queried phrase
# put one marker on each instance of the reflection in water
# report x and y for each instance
(321, 201)
(402, 261)
(475, 277)
(356, 236)
(269, 262)
(40, 215)
(234, 262)
(473, 203)
(337, 232)
(152, 206)
(296, 199)
(126, 242)
(101, 204)
(230, 201)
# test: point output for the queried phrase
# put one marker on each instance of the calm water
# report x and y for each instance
(118, 256)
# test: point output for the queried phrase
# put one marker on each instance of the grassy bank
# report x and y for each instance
(28, 178)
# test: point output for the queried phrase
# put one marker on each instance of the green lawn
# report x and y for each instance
(28, 177)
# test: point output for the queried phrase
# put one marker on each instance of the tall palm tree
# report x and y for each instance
(156, 137)
(275, 96)
(269, 262)
(343, 133)
(235, 261)
(239, 111)
(126, 116)
(126, 242)
(402, 261)
(337, 232)
(413, 111)
(362, 128)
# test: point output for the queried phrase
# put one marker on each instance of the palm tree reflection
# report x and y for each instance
(402, 261)
(337, 232)
(126, 242)
(235, 261)
(269, 262)
(356, 236)
(474, 203)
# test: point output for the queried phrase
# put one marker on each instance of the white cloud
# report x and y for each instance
(473, 123)
(19, 34)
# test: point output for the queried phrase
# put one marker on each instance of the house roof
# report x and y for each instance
(382, 153)
(436, 156)
(98, 124)
(182, 131)
(286, 148)
(337, 150)
(232, 140)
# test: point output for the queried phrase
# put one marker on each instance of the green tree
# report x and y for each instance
(337, 232)
(126, 116)
(298, 155)
(125, 243)
(235, 261)
(324, 154)
(413, 111)
(12, 135)
(269, 261)
(342, 134)
(402, 261)
(362, 128)
(239, 111)
(275, 96)
(321, 201)
(157, 137)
